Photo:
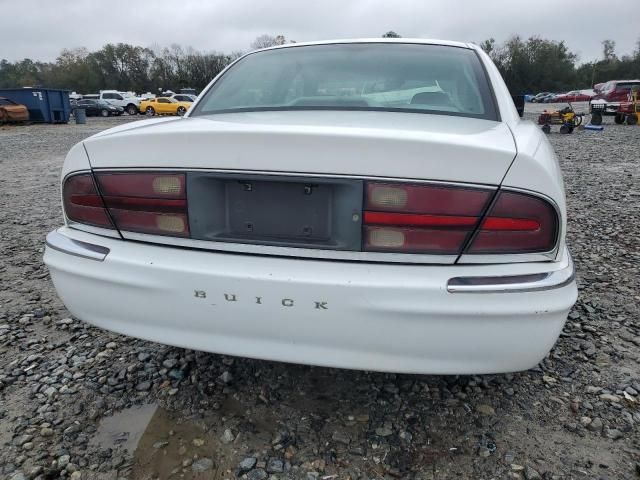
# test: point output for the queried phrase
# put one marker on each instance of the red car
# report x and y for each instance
(575, 96)
(616, 91)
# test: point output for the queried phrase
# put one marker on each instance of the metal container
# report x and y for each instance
(80, 114)
(45, 105)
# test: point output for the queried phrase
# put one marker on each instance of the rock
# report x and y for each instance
(275, 465)
(18, 476)
(226, 377)
(595, 425)
(63, 461)
(548, 380)
(631, 391)
(143, 356)
(111, 345)
(614, 434)
(484, 409)
(384, 431)
(35, 471)
(23, 439)
(46, 432)
(531, 474)
(341, 437)
(607, 397)
(484, 452)
(247, 464)
(159, 445)
(50, 391)
(227, 437)
(76, 475)
(197, 442)
(257, 474)
(202, 465)
(143, 386)
(170, 363)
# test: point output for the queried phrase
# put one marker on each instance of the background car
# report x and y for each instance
(99, 107)
(164, 106)
(616, 90)
(183, 97)
(575, 96)
(538, 98)
(11, 111)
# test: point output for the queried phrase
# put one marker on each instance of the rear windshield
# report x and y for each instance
(389, 77)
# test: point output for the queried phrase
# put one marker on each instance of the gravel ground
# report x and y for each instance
(75, 400)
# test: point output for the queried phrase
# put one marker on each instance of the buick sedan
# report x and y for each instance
(366, 204)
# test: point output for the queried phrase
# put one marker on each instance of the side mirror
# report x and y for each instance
(518, 101)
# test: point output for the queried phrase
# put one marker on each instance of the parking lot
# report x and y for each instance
(75, 400)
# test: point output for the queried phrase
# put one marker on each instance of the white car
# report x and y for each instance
(125, 100)
(296, 214)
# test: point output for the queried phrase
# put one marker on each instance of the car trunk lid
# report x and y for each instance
(296, 183)
(379, 144)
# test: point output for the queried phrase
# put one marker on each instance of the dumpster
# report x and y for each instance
(46, 105)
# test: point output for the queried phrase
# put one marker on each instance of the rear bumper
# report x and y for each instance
(385, 317)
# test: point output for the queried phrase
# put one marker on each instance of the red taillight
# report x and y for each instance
(517, 223)
(154, 203)
(82, 203)
(442, 219)
(434, 219)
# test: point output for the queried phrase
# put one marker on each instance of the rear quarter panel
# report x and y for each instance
(536, 169)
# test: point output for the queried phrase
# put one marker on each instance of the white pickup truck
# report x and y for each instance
(120, 99)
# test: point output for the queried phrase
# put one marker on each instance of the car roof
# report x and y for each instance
(422, 41)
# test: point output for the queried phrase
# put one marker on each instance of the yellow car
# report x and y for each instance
(163, 106)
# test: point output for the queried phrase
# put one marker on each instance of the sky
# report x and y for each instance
(40, 29)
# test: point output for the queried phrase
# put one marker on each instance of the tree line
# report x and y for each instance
(527, 65)
(536, 64)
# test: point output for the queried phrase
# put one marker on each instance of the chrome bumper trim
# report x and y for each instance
(515, 283)
(64, 244)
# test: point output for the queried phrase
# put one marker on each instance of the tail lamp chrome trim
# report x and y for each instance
(64, 244)
(535, 282)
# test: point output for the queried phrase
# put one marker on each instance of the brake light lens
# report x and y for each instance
(451, 220)
(431, 219)
(82, 203)
(154, 203)
(517, 223)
